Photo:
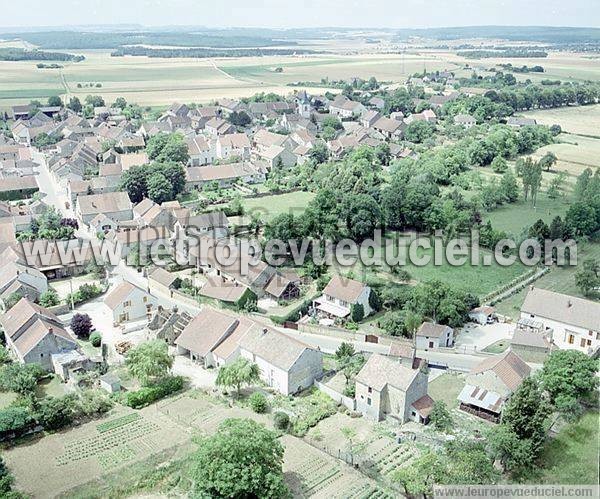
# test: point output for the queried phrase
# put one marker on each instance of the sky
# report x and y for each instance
(302, 13)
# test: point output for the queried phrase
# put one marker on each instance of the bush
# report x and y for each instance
(281, 420)
(81, 324)
(258, 402)
(15, 419)
(96, 339)
(56, 412)
(145, 396)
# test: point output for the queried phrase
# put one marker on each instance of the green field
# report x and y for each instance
(572, 457)
(446, 388)
(268, 207)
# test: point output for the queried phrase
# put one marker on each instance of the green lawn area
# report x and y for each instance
(498, 347)
(572, 457)
(50, 387)
(446, 388)
(561, 280)
(268, 207)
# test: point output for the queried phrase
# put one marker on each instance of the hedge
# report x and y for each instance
(145, 396)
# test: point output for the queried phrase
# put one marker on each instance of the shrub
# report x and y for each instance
(258, 402)
(56, 412)
(281, 420)
(350, 390)
(357, 312)
(15, 419)
(96, 339)
(49, 298)
(154, 392)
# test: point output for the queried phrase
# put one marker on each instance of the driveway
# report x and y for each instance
(198, 376)
(475, 337)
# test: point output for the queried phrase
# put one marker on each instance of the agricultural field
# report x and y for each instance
(577, 120)
(575, 153)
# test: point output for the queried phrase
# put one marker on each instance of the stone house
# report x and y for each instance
(127, 302)
(340, 295)
(386, 388)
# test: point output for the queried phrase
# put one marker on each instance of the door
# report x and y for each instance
(431, 344)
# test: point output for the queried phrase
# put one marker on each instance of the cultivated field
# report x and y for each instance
(584, 120)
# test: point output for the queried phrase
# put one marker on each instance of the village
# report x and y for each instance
(366, 376)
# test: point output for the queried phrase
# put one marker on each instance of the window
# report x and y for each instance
(571, 339)
(589, 342)
(127, 303)
(369, 401)
(590, 333)
(370, 390)
(582, 343)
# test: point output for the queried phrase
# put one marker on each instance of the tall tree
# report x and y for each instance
(149, 361)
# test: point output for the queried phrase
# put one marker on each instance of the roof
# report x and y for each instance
(206, 331)
(219, 172)
(344, 289)
(272, 346)
(424, 405)
(197, 145)
(431, 330)
(484, 309)
(562, 308)
(277, 285)
(530, 339)
(109, 202)
(18, 183)
(404, 349)
(480, 397)
(235, 140)
(380, 371)
(163, 276)
(509, 367)
(118, 294)
(229, 292)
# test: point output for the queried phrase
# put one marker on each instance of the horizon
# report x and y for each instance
(384, 14)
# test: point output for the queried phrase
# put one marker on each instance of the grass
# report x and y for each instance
(498, 347)
(7, 398)
(583, 120)
(446, 388)
(572, 457)
(268, 207)
(50, 387)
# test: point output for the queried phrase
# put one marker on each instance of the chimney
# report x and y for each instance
(531, 287)
(50, 330)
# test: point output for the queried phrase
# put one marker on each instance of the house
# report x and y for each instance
(12, 188)
(431, 335)
(570, 322)
(346, 108)
(276, 156)
(200, 150)
(33, 334)
(233, 145)
(127, 302)
(211, 337)
(517, 122)
(218, 126)
(465, 120)
(56, 259)
(389, 128)
(18, 278)
(286, 364)
(427, 115)
(386, 388)
(483, 315)
(263, 140)
(531, 346)
(225, 175)
(214, 224)
(162, 281)
(340, 295)
(369, 118)
(377, 103)
(491, 383)
(283, 288)
(115, 205)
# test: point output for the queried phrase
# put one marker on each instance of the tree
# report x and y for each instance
(238, 373)
(149, 361)
(94, 101)
(243, 459)
(167, 147)
(357, 312)
(81, 324)
(418, 478)
(55, 101)
(570, 374)
(134, 182)
(344, 351)
(159, 188)
(499, 164)
(20, 378)
(468, 463)
(548, 160)
(240, 118)
(75, 105)
(509, 187)
(120, 103)
(440, 416)
(418, 131)
(581, 219)
(587, 278)
(49, 298)
(56, 412)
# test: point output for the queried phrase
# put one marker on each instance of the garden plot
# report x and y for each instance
(43, 468)
(312, 473)
(384, 456)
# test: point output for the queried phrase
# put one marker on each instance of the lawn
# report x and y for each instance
(268, 207)
(498, 347)
(446, 388)
(572, 457)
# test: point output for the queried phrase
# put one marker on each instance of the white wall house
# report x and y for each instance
(128, 303)
(572, 323)
(431, 335)
(340, 295)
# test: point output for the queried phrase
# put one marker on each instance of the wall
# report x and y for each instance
(340, 398)
(560, 333)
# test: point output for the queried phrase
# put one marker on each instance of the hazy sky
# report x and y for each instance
(302, 13)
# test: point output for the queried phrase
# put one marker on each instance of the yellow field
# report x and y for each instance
(574, 152)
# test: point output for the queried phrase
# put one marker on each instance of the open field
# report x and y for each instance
(575, 153)
(583, 120)
(268, 207)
